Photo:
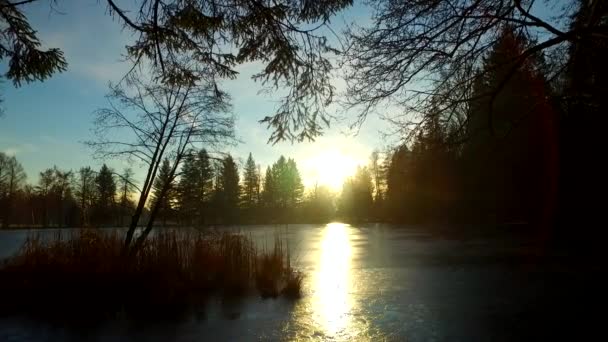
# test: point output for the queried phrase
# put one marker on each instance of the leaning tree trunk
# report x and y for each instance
(156, 157)
(142, 201)
(134, 222)
(140, 240)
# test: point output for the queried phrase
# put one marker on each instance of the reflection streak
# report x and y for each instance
(332, 303)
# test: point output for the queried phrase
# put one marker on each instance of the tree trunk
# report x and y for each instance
(140, 240)
(133, 225)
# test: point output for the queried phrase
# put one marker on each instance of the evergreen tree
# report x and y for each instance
(287, 184)
(295, 188)
(205, 186)
(510, 155)
(126, 184)
(229, 189)
(106, 196)
(195, 188)
(189, 190)
(25, 60)
(166, 204)
(216, 195)
(399, 184)
(269, 192)
(586, 77)
(258, 186)
(582, 138)
(280, 178)
(356, 199)
(250, 183)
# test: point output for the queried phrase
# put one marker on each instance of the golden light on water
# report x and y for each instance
(332, 303)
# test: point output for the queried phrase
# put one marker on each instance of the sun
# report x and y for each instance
(332, 167)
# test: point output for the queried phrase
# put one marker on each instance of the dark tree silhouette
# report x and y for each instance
(44, 190)
(63, 192)
(12, 178)
(228, 190)
(399, 184)
(188, 189)
(424, 56)
(151, 122)
(55, 192)
(164, 192)
(583, 104)
(105, 206)
(204, 41)
(498, 175)
(126, 187)
(85, 193)
(205, 187)
(511, 168)
(195, 188)
(19, 43)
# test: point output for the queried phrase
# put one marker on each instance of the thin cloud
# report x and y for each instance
(20, 149)
(103, 72)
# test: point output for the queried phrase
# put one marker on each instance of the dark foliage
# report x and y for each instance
(203, 42)
(19, 43)
(85, 276)
(502, 111)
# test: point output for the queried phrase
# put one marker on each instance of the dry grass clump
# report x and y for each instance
(86, 274)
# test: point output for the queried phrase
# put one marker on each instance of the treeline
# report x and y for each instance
(459, 169)
(206, 191)
(215, 191)
(462, 169)
(526, 154)
(64, 198)
(533, 163)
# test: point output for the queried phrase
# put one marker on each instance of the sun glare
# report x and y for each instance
(332, 167)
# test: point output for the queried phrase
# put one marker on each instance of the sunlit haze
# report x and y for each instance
(331, 167)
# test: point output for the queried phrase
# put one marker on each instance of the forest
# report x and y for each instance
(505, 132)
(459, 172)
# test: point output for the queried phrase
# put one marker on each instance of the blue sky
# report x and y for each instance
(44, 124)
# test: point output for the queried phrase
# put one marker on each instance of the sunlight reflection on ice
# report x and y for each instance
(332, 302)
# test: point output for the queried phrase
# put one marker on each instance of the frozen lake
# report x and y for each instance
(374, 283)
